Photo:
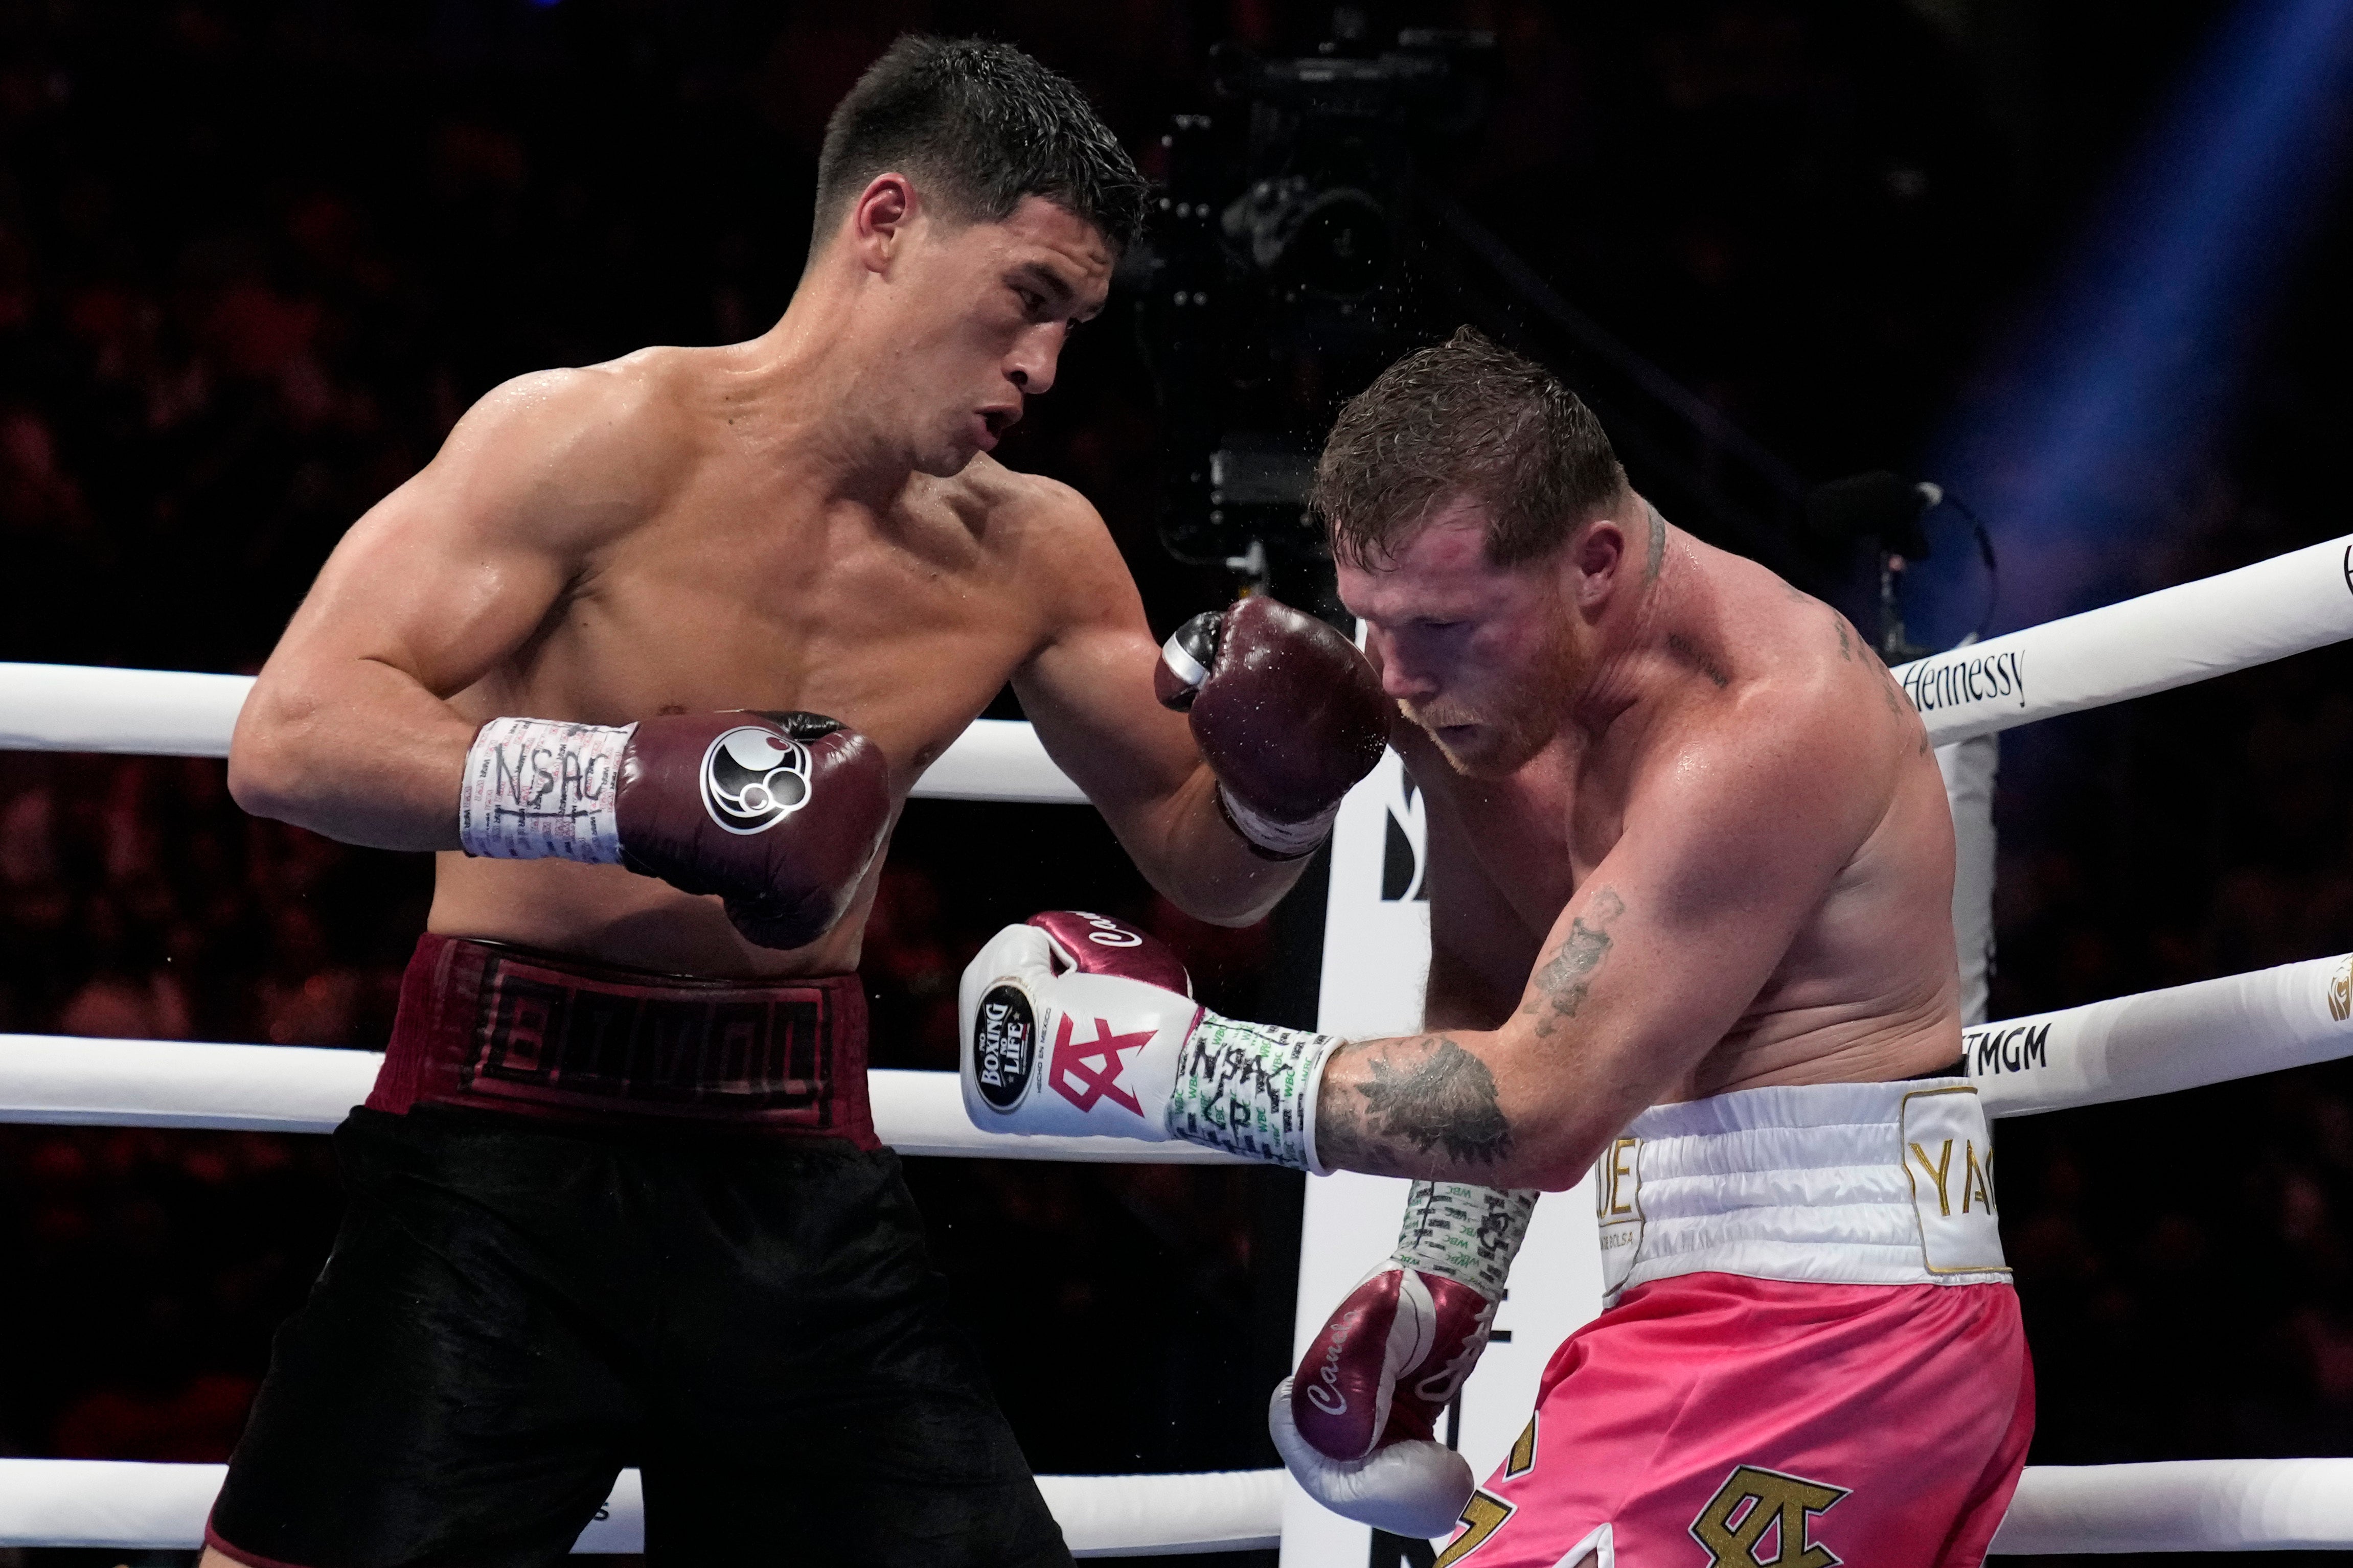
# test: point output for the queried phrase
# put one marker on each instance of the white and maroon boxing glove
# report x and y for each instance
(1287, 714)
(1357, 1424)
(1078, 1026)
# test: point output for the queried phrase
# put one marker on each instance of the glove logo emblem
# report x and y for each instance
(1089, 1072)
(754, 778)
(1003, 1046)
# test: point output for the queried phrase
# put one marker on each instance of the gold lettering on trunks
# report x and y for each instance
(1977, 1177)
(1483, 1516)
(1755, 1503)
(1522, 1457)
(2340, 993)
(1615, 1192)
(1936, 1170)
(1618, 1210)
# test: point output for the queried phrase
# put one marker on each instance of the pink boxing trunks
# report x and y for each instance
(1811, 1354)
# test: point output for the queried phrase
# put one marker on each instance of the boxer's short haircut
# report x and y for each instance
(977, 126)
(1467, 417)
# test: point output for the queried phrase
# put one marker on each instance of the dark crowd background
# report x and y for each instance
(256, 259)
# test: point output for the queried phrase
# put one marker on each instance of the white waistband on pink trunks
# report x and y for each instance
(1850, 1183)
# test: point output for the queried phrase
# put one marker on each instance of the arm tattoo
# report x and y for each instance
(1421, 1094)
(1558, 988)
(1846, 644)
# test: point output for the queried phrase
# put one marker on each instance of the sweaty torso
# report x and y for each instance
(1868, 989)
(736, 589)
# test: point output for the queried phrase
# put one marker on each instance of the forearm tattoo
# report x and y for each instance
(1414, 1097)
(1560, 985)
(1468, 1234)
(1386, 1105)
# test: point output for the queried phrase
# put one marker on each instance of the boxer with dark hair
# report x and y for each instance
(649, 655)
(1691, 873)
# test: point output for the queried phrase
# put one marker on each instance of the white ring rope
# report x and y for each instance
(162, 1508)
(176, 713)
(2289, 604)
(2183, 1505)
(73, 1081)
(2235, 620)
(2159, 1041)
(2188, 1505)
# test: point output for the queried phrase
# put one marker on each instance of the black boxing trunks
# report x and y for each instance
(565, 1253)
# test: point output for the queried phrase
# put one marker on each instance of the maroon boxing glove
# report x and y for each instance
(1397, 1350)
(1387, 1360)
(778, 814)
(1287, 714)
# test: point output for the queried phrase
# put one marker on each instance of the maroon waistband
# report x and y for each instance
(539, 1035)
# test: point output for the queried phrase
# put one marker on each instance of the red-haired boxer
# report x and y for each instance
(651, 653)
(1691, 876)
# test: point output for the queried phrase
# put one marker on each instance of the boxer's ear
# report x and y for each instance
(880, 218)
(1597, 554)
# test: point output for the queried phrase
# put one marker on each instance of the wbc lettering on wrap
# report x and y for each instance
(1952, 680)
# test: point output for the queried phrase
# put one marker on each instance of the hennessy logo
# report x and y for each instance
(1086, 1071)
(1755, 1503)
(2340, 993)
(1947, 683)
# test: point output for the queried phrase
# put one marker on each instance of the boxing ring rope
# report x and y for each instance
(176, 714)
(2201, 1505)
(2182, 1505)
(2181, 1037)
(2236, 620)
(2194, 631)
(162, 1508)
(2204, 1032)
(76, 1081)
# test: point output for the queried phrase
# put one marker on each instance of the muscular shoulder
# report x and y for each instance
(1049, 536)
(1808, 724)
(572, 454)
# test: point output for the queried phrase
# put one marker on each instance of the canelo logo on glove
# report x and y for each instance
(1087, 1071)
(753, 779)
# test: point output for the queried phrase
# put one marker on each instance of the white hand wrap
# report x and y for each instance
(543, 788)
(1415, 1489)
(1469, 1234)
(1251, 1090)
(1288, 840)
